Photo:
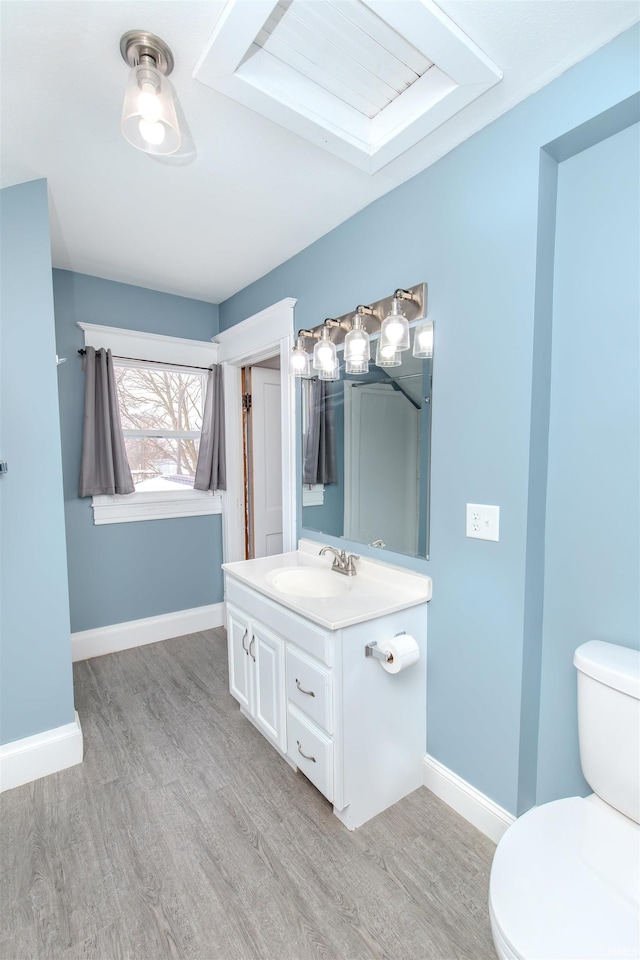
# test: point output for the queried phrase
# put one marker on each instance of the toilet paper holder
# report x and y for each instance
(373, 650)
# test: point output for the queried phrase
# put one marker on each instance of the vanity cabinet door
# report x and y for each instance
(240, 663)
(270, 703)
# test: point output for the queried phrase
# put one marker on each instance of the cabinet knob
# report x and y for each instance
(243, 640)
(253, 640)
(309, 693)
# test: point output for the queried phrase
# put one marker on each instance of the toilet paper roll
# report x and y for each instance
(404, 652)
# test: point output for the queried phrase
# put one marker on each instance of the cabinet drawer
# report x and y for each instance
(311, 750)
(285, 623)
(309, 688)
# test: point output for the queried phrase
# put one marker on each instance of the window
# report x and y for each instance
(161, 412)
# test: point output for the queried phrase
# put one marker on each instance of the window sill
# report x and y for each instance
(313, 495)
(133, 507)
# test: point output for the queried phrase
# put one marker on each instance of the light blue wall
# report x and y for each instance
(469, 226)
(128, 571)
(36, 687)
(592, 566)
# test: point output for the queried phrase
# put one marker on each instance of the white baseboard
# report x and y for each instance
(474, 806)
(135, 633)
(33, 757)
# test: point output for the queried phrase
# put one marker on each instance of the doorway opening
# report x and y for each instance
(265, 336)
(262, 458)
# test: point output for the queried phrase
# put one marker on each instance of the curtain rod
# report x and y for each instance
(187, 366)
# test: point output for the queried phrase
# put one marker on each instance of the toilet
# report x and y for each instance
(565, 880)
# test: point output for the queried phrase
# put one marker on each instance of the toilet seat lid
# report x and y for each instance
(565, 882)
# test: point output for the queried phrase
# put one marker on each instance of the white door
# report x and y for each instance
(270, 692)
(266, 462)
(381, 439)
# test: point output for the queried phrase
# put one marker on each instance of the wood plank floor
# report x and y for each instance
(183, 834)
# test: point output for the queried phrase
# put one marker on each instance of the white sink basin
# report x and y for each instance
(309, 582)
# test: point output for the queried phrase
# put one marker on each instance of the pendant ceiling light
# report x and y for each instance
(149, 119)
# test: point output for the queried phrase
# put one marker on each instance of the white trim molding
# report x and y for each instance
(132, 507)
(40, 755)
(454, 72)
(478, 809)
(266, 334)
(137, 633)
(138, 345)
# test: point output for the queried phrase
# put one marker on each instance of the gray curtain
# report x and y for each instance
(320, 448)
(211, 473)
(104, 467)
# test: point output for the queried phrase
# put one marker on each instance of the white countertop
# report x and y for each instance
(376, 590)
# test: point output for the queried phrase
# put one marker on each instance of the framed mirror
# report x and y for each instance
(376, 490)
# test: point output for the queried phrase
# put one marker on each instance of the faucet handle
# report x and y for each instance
(351, 567)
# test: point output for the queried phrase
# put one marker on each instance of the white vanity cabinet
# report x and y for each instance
(357, 732)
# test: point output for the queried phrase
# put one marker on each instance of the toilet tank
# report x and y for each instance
(609, 723)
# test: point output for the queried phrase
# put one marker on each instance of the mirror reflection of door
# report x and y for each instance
(262, 459)
(382, 453)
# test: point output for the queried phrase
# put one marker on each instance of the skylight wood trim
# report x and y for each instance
(460, 73)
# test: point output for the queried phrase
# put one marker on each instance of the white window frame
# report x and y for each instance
(137, 345)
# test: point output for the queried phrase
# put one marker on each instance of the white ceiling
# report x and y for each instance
(251, 194)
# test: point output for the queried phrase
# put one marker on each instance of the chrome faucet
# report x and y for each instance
(341, 562)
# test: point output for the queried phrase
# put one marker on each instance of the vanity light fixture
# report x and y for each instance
(394, 332)
(300, 359)
(423, 340)
(325, 357)
(390, 317)
(387, 355)
(149, 119)
(357, 351)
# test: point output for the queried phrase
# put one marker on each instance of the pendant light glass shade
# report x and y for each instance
(387, 355)
(356, 343)
(325, 357)
(332, 374)
(300, 362)
(149, 119)
(423, 340)
(394, 331)
(356, 366)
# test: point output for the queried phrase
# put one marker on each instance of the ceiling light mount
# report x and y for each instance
(138, 46)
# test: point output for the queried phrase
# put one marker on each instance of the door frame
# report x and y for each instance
(270, 333)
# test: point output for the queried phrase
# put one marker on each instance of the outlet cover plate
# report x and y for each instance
(483, 521)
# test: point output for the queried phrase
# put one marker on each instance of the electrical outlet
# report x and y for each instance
(483, 521)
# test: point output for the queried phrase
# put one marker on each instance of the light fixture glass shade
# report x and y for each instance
(387, 355)
(356, 366)
(325, 357)
(394, 331)
(300, 362)
(356, 343)
(332, 374)
(423, 340)
(149, 119)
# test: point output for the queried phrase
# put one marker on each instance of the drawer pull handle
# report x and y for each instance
(309, 693)
(243, 640)
(313, 759)
(253, 640)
